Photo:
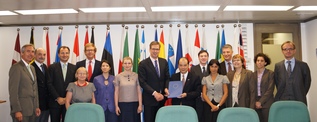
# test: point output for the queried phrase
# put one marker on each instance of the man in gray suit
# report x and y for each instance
(23, 88)
(292, 77)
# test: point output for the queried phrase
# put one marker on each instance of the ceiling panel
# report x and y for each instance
(149, 16)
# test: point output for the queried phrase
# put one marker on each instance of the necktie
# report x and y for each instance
(42, 67)
(30, 71)
(289, 68)
(156, 68)
(89, 71)
(183, 80)
(229, 67)
(204, 71)
(64, 71)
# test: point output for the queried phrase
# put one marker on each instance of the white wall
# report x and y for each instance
(309, 53)
(8, 36)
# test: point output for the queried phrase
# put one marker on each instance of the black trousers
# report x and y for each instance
(58, 114)
(210, 116)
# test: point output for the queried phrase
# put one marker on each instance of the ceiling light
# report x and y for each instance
(3, 13)
(306, 8)
(257, 8)
(184, 8)
(113, 9)
(46, 11)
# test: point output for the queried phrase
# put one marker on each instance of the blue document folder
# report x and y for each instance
(175, 89)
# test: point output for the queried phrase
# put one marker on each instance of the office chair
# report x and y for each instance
(289, 111)
(85, 112)
(176, 113)
(238, 114)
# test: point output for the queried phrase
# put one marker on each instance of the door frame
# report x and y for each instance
(278, 28)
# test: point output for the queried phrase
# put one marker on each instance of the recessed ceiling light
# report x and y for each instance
(46, 11)
(257, 8)
(113, 9)
(184, 8)
(3, 13)
(306, 8)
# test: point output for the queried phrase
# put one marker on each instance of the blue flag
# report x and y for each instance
(59, 44)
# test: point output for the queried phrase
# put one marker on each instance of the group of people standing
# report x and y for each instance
(37, 91)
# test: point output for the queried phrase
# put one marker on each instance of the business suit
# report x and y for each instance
(300, 80)
(43, 92)
(23, 91)
(192, 88)
(150, 82)
(197, 70)
(97, 68)
(57, 87)
(223, 68)
(266, 88)
(244, 88)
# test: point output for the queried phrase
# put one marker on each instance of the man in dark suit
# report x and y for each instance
(226, 65)
(191, 82)
(42, 78)
(23, 92)
(153, 75)
(61, 74)
(92, 65)
(292, 77)
(201, 71)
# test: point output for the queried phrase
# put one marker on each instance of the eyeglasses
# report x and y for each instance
(288, 49)
(90, 50)
(82, 74)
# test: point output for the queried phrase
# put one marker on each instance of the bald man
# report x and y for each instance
(42, 78)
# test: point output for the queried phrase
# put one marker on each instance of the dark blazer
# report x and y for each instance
(302, 80)
(192, 88)
(150, 81)
(23, 89)
(267, 88)
(223, 69)
(244, 88)
(198, 72)
(42, 86)
(97, 68)
(56, 85)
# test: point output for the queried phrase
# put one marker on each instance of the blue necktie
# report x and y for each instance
(289, 68)
(156, 68)
(42, 67)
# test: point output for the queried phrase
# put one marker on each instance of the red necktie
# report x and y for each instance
(229, 67)
(89, 71)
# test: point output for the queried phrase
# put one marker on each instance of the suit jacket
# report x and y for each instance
(198, 72)
(223, 69)
(97, 68)
(244, 89)
(192, 87)
(23, 89)
(266, 88)
(56, 85)
(43, 92)
(150, 81)
(302, 80)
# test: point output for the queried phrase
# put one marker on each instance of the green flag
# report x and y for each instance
(125, 47)
(137, 51)
(218, 50)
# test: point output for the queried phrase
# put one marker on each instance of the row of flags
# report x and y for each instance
(139, 47)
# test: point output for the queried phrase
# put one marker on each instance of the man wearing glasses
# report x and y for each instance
(91, 64)
(292, 76)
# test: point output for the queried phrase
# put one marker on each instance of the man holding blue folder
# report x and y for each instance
(191, 85)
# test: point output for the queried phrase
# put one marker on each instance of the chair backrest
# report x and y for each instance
(238, 114)
(85, 112)
(288, 111)
(176, 113)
